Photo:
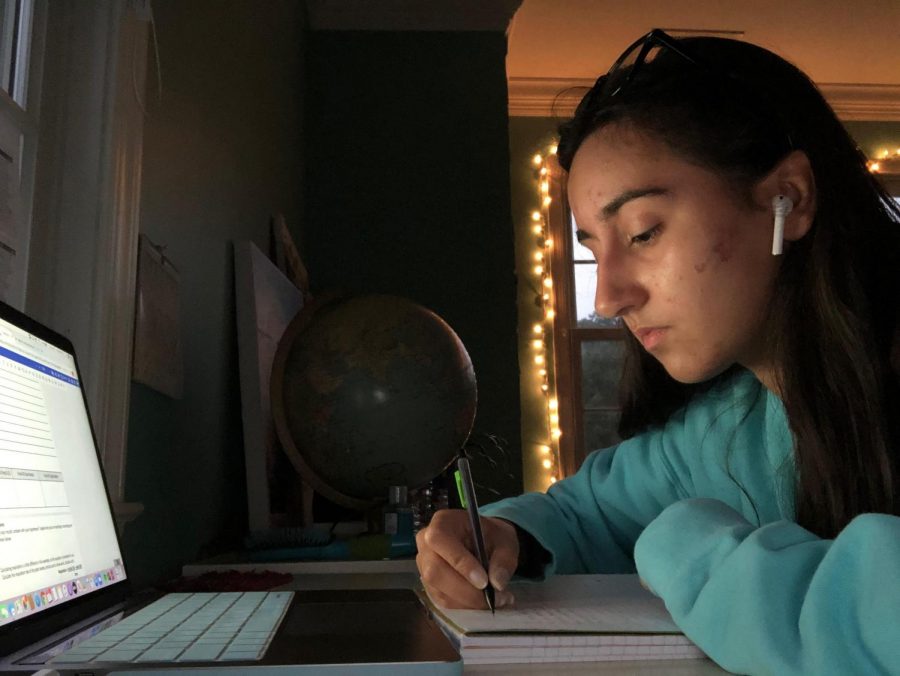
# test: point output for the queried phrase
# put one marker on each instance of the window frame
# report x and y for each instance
(568, 337)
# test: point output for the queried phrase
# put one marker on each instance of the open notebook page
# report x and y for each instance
(592, 604)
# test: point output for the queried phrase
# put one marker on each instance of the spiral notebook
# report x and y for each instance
(568, 618)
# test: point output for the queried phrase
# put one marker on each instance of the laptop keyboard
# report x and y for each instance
(206, 627)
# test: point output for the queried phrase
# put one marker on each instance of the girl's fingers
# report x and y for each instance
(451, 573)
(445, 583)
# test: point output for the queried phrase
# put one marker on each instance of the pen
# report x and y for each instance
(468, 495)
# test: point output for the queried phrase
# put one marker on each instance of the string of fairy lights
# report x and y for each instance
(885, 160)
(542, 338)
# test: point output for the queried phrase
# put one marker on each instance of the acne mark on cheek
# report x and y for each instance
(723, 250)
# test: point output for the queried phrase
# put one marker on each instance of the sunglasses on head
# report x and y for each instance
(629, 64)
(645, 49)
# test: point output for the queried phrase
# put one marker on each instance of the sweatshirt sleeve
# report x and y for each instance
(777, 599)
(590, 521)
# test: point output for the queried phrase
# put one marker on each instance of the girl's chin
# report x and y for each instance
(693, 373)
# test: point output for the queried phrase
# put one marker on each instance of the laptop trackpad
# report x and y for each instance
(351, 626)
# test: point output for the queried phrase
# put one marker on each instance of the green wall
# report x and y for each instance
(407, 192)
(222, 153)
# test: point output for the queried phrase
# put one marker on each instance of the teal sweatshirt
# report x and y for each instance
(702, 509)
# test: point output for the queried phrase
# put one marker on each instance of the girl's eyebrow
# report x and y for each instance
(612, 208)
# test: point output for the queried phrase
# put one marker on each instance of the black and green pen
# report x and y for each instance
(467, 496)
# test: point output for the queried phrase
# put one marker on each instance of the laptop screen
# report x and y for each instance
(57, 536)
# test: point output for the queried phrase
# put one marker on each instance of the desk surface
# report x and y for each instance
(402, 574)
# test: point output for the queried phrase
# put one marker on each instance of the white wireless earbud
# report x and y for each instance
(781, 205)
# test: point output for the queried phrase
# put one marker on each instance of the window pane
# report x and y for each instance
(601, 364)
(585, 274)
(585, 283)
(585, 286)
(600, 429)
(579, 251)
(7, 40)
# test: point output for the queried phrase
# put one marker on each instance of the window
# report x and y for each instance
(588, 348)
(15, 47)
(89, 175)
(21, 35)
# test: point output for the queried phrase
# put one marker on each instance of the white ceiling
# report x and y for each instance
(851, 49)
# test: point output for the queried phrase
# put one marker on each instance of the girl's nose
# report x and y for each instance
(617, 292)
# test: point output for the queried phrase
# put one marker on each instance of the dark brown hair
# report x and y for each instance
(833, 317)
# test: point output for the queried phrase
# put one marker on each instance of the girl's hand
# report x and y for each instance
(450, 571)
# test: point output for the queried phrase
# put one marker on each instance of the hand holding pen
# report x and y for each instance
(452, 574)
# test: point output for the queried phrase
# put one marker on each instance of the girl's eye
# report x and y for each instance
(646, 236)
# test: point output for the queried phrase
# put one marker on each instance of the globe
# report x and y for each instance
(370, 392)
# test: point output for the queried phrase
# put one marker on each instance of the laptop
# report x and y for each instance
(66, 606)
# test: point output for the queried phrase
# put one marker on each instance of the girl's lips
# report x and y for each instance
(651, 336)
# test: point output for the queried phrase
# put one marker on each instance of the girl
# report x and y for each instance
(757, 489)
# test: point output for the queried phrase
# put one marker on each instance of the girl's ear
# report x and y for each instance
(793, 176)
